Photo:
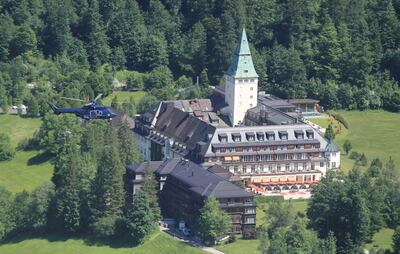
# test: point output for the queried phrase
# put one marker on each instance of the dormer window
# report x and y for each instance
(310, 134)
(236, 137)
(223, 138)
(260, 136)
(299, 134)
(270, 135)
(250, 136)
(283, 135)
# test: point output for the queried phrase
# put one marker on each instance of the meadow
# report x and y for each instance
(28, 169)
(122, 96)
(373, 132)
(159, 242)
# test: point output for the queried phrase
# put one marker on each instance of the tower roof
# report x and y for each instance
(242, 63)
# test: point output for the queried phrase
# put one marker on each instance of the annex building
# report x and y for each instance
(255, 136)
(183, 188)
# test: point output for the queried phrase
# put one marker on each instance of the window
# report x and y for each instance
(251, 88)
(251, 105)
(310, 134)
(287, 167)
(235, 169)
(283, 135)
(249, 211)
(246, 80)
(251, 96)
(321, 165)
(251, 80)
(249, 220)
(278, 167)
(240, 80)
(236, 137)
(333, 164)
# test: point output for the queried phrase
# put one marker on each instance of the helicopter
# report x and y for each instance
(89, 111)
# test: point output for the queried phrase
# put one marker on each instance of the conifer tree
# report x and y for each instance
(97, 46)
(107, 195)
(139, 219)
(330, 133)
(66, 180)
(150, 187)
(127, 149)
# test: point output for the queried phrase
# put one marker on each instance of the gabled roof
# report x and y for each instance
(242, 63)
(205, 183)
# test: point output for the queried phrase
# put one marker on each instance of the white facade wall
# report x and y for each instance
(240, 95)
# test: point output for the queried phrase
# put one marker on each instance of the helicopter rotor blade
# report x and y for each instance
(98, 97)
(72, 99)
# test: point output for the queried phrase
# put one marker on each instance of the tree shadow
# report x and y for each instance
(115, 243)
(39, 159)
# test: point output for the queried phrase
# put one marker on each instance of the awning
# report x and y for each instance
(256, 179)
(282, 179)
(236, 158)
(266, 179)
(227, 158)
(291, 178)
(274, 179)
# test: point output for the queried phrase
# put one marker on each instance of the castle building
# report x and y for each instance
(256, 136)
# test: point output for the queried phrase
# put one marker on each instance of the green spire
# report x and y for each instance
(242, 63)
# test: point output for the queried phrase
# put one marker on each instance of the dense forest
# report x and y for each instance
(343, 52)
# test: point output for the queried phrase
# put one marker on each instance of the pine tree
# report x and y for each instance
(150, 187)
(347, 146)
(127, 149)
(107, 195)
(329, 133)
(6, 213)
(139, 219)
(67, 183)
(396, 240)
(97, 46)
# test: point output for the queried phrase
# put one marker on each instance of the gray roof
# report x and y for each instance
(205, 183)
(182, 127)
(331, 147)
(195, 177)
(160, 167)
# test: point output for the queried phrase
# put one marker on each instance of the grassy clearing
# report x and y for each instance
(26, 170)
(158, 243)
(239, 247)
(373, 132)
(124, 95)
(382, 239)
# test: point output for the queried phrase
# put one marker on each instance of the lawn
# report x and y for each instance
(240, 246)
(158, 243)
(373, 132)
(26, 170)
(382, 239)
(124, 95)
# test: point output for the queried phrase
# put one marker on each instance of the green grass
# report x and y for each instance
(373, 132)
(240, 246)
(17, 127)
(158, 243)
(26, 170)
(382, 239)
(124, 95)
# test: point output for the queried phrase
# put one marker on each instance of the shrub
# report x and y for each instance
(105, 227)
(340, 119)
(355, 155)
(7, 152)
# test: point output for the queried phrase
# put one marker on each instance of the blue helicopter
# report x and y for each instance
(88, 111)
